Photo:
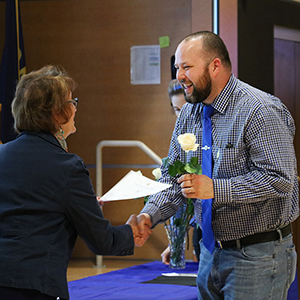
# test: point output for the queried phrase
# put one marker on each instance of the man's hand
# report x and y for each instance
(132, 221)
(144, 224)
(196, 186)
(165, 256)
(140, 225)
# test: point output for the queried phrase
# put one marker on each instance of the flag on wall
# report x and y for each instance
(12, 67)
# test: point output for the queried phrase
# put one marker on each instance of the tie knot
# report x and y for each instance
(207, 111)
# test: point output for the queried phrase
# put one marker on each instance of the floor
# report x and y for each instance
(80, 268)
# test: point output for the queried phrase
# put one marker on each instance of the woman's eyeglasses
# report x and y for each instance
(74, 102)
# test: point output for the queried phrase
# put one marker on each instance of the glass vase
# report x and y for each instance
(177, 241)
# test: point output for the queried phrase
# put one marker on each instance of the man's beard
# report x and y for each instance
(200, 94)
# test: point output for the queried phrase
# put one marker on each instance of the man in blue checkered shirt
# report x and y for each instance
(254, 184)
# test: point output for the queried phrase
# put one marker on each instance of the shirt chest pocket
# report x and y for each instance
(230, 161)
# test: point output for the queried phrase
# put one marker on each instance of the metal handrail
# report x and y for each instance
(117, 143)
(99, 167)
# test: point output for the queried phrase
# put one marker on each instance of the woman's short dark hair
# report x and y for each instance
(41, 100)
(174, 88)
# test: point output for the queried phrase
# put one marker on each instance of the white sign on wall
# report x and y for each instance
(145, 64)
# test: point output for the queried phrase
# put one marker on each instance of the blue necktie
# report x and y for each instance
(207, 233)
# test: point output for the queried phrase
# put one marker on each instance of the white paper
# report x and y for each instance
(179, 274)
(145, 64)
(134, 185)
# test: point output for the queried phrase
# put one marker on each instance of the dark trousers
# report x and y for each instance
(8, 293)
(197, 236)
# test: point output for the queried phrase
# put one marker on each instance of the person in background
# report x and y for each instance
(46, 195)
(254, 186)
(176, 96)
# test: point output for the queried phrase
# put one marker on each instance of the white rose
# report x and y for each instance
(156, 173)
(187, 142)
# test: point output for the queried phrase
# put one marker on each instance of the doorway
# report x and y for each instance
(287, 88)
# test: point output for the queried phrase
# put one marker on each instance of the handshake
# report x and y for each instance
(140, 225)
(141, 228)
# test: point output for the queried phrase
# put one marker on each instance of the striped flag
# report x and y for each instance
(12, 67)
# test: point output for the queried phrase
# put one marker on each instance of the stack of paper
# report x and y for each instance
(134, 185)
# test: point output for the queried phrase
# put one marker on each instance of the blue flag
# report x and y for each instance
(12, 67)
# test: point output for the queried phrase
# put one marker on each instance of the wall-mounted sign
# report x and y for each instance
(145, 64)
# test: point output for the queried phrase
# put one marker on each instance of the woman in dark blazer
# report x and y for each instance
(46, 196)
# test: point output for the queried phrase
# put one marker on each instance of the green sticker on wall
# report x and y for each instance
(164, 41)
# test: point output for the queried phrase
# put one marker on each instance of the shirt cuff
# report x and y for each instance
(153, 211)
(222, 190)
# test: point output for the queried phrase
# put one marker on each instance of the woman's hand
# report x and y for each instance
(101, 202)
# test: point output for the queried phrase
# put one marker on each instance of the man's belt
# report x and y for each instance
(257, 238)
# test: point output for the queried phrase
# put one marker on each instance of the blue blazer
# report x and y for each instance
(46, 200)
